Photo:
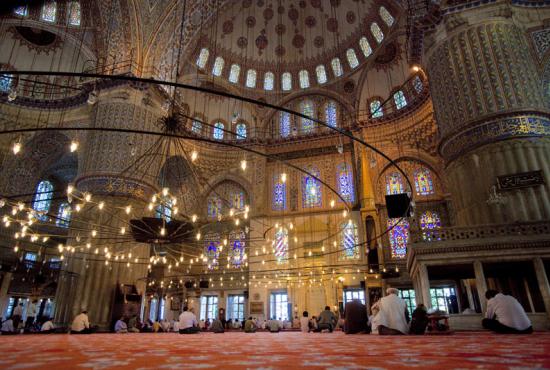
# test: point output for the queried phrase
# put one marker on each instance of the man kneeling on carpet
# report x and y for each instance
(326, 320)
(391, 315)
(81, 324)
(188, 322)
(505, 315)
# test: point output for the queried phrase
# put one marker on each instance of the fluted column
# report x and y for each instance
(490, 110)
(544, 286)
(424, 281)
(481, 284)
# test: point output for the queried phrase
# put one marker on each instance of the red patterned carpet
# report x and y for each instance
(275, 351)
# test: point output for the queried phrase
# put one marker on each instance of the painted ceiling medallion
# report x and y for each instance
(268, 14)
(228, 27)
(250, 21)
(242, 42)
(311, 21)
(351, 17)
(280, 50)
(332, 25)
(280, 29)
(261, 42)
(319, 42)
(247, 3)
(298, 41)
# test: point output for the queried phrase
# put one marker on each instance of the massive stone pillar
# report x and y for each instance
(88, 280)
(488, 101)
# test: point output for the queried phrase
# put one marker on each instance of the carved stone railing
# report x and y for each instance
(481, 232)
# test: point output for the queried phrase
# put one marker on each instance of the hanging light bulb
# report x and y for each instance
(199, 236)
(162, 231)
(345, 213)
(151, 206)
(123, 230)
(16, 148)
(313, 191)
(175, 210)
(194, 155)
(101, 205)
(128, 209)
(70, 189)
(283, 178)
(194, 218)
(74, 146)
(332, 203)
(165, 191)
(243, 164)
(237, 222)
(88, 197)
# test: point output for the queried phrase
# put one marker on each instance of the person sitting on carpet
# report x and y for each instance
(356, 318)
(304, 322)
(391, 317)
(188, 322)
(505, 314)
(250, 326)
(7, 327)
(312, 325)
(296, 323)
(217, 326)
(120, 326)
(165, 325)
(326, 320)
(273, 325)
(81, 324)
(419, 320)
(133, 324)
(47, 327)
(236, 324)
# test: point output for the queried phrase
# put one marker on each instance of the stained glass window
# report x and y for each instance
(49, 11)
(164, 210)
(399, 237)
(63, 215)
(218, 130)
(214, 204)
(286, 81)
(365, 46)
(73, 13)
(237, 200)
(349, 242)
(394, 184)
(203, 58)
(5, 82)
(321, 73)
(352, 58)
(311, 189)
(196, 126)
(304, 79)
(218, 66)
(269, 80)
(345, 182)
(376, 109)
(400, 100)
(212, 249)
(234, 73)
(307, 109)
(377, 32)
(337, 67)
(23, 10)
(43, 199)
(430, 221)
(423, 182)
(418, 85)
(386, 16)
(251, 78)
(280, 244)
(279, 194)
(331, 114)
(241, 131)
(237, 248)
(284, 124)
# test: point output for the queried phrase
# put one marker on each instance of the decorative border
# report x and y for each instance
(491, 131)
(115, 186)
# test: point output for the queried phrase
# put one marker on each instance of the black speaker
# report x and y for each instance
(398, 205)
(188, 284)
(203, 284)
(245, 294)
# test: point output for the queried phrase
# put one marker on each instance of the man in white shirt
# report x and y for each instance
(17, 315)
(188, 322)
(505, 315)
(273, 325)
(391, 318)
(47, 327)
(120, 326)
(81, 324)
(7, 327)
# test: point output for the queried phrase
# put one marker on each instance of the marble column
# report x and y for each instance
(544, 286)
(424, 281)
(4, 298)
(481, 284)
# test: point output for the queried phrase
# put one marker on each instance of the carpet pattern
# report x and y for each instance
(291, 350)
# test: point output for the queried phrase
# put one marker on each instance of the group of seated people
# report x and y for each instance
(12, 326)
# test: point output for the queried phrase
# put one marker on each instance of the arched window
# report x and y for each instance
(49, 12)
(430, 221)
(286, 81)
(63, 215)
(399, 99)
(352, 58)
(307, 109)
(214, 205)
(237, 247)
(321, 73)
(377, 32)
(218, 131)
(203, 58)
(22, 11)
(386, 16)
(212, 249)
(234, 73)
(423, 182)
(394, 184)
(304, 79)
(218, 66)
(269, 80)
(365, 46)
(418, 84)
(284, 124)
(251, 78)
(5, 82)
(279, 194)
(349, 242)
(337, 67)
(196, 126)
(280, 244)
(73, 13)
(164, 210)
(241, 131)
(344, 180)
(376, 109)
(331, 114)
(399, 237)
(311, 189)
(237, 200)
(43, 199)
